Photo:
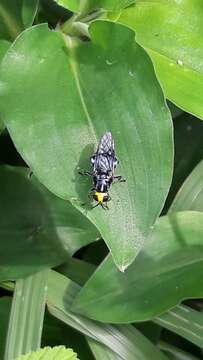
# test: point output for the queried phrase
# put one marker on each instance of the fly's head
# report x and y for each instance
(101, 198)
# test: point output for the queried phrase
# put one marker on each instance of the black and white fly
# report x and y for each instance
(104, 163)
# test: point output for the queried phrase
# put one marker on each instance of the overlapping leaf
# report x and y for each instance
(125, 341)
(107, 84)
(190, 196)
(172, 32)
(170, 263)
(16, 16)
(37, 229)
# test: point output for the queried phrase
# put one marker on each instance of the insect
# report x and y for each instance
(104, 163)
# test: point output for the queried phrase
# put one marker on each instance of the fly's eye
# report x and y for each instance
(95, 197)
(92, 159)
(106, 198)
(116, 162)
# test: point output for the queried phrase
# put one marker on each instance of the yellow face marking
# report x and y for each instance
(100, 196)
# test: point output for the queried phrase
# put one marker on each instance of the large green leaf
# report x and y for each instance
(87, 89)
(172, 32)
(170, 263)
(27, 314)
(37, 229)
(15, 16)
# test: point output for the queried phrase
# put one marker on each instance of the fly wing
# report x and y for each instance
(106, 145)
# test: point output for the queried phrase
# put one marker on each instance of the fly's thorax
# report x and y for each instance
(102, 182)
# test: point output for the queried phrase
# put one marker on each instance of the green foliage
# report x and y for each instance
(26, 316)
(158, 269)
(56, 353)
(88, 6)
(16, 16)
(71, 70)
(177, 53)
(41, 230)
(75, 113)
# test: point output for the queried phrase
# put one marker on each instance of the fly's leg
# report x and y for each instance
(95, 205)
(85, 173)
(105, 207)
(119, 178)
(30, 173)
(90, 193)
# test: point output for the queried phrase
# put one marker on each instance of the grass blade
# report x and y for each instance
(27, 314)
(185, 322)
(101, 352)
(176, 353)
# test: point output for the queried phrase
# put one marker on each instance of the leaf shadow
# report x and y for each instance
(29, 239)
(83, 183)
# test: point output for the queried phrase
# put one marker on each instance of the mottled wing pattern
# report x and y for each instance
(106, 145)
(104, 160)
(104, 163)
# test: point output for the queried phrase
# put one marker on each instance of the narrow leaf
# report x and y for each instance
(188, 148)
(27, 314)
(4, 45)
(101, 351)
(190, 196)
(63, 131)
(175, 353)
(5, 306)
(185, 322)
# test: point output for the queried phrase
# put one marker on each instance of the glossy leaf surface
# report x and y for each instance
(88, 88)
(37, 229)
(172, 32)
(171, 262)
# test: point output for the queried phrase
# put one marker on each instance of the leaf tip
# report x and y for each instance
(122, 268)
